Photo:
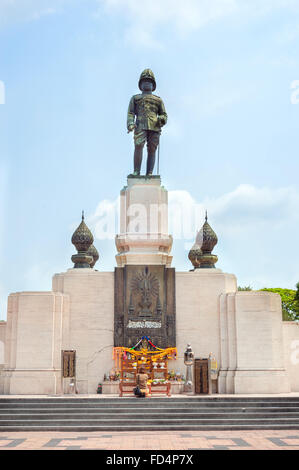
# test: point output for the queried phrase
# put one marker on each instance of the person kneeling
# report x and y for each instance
(142, 389)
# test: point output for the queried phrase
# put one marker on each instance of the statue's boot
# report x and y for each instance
(137, 160)
(150, 163)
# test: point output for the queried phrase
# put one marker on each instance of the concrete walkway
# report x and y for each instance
(199, 440)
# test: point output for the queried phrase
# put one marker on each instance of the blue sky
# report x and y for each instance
(228, 73)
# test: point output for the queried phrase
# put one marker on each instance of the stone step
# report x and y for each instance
(121, 414)
(160, 427)
(191, 399)
(147, 403)
(148, 422)
(139, 416)
(145, 410)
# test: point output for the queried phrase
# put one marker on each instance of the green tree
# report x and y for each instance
(290, 305)
(243, 289)
(297, 295)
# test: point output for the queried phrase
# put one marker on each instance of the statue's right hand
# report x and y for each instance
(131, 127)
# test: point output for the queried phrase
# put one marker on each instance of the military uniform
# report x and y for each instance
(151, 116)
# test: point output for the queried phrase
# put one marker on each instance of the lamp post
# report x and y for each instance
(189, 361)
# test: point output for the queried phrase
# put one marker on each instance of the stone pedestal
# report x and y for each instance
(144, 281)
(143, 237)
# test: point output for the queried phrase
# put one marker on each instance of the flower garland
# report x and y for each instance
(121, 353)
(149, 341)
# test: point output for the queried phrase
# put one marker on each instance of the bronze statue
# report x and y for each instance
(146, 117)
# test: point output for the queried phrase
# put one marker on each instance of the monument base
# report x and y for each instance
(244, 331)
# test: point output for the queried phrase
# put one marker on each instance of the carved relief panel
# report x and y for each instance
(144, 305)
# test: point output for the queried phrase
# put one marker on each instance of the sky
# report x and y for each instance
(228, 73)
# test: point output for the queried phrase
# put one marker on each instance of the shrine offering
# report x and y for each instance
(149, 356)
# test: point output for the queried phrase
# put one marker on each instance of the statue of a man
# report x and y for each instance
(146, 117)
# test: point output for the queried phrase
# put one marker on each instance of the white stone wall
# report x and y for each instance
(2, 341)
(291, 353)
(197, 312)
(79, 315)
(33, 339)
(252, 344)
(91, 323)
(2, 344)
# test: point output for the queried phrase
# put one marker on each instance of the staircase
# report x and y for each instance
(151, 414)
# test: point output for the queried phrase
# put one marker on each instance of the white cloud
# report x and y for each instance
(211, 100)
(288, 34)
(190, 15)
(14, 11)
(187, 15)
(104, 222)
(140, 36)
(236, 211)
(250, 202)
(145, 18)
(258, 230)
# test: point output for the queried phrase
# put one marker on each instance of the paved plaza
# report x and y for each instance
(169, 440)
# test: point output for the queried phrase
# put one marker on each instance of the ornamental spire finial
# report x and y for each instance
(201, 253)
(82, 239)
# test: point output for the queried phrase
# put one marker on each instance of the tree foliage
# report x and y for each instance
(290, 302)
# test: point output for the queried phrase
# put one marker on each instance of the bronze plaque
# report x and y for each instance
(68, 363)
(201, 369)
(144, 305)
